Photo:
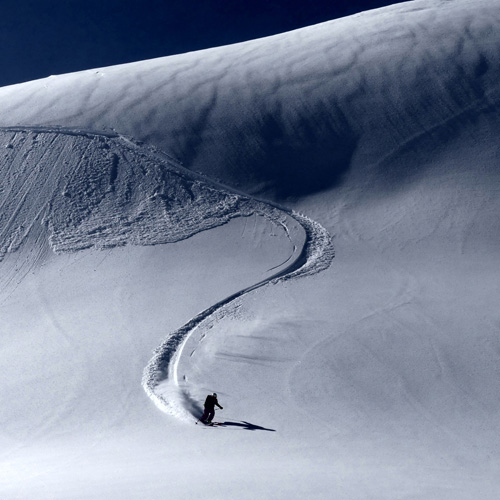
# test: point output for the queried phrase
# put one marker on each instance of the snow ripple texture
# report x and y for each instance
(99, 190)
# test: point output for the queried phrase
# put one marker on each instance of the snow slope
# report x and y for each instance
(316, 96)
(375, 378)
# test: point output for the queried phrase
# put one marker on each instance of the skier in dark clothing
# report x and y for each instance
(209, 412)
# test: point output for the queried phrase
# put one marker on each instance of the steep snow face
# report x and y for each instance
(377, 378)
(291, 114)
(85, 190)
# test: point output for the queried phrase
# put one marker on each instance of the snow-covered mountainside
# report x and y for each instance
(133, 218)
(256, 113)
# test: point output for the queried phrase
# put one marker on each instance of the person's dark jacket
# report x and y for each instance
(210, 403)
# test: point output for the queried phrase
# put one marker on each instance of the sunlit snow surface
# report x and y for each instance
(101, 191)
(374, 378)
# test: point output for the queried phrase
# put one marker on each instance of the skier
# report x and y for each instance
(209, 412)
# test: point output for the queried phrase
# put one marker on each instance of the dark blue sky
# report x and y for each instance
(43, 37)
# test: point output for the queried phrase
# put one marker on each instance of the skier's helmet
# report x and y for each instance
(214, 394)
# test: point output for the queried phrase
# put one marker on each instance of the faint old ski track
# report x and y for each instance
(312, 254)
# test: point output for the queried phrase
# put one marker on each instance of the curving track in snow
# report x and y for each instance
(314, 255)
(83, 189)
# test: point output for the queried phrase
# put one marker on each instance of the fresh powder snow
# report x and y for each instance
(155, 217)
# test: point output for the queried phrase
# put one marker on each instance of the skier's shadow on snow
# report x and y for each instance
(195, 409)
(245, 425)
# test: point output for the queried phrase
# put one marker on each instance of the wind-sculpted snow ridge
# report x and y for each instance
(315, 256)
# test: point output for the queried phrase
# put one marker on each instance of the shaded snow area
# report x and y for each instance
(287, 115)
(375, 376)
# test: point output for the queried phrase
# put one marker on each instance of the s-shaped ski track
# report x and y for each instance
(312, 253)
